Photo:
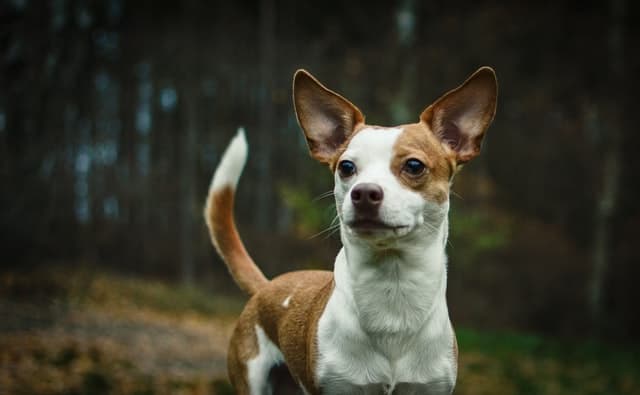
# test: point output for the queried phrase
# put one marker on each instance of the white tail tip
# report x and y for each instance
(232, 162)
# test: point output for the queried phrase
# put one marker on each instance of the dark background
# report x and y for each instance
(114, 114)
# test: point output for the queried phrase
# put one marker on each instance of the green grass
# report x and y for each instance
(505, 363)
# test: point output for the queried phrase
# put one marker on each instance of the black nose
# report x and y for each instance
(367, 196)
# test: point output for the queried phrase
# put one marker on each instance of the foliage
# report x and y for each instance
(114, 114)
(509, 363)
(311, 215)
(477, 232)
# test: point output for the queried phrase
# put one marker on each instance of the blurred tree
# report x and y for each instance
(405, 95)
(191, 81)
(608, 139)
(263, 193)
(114, 114)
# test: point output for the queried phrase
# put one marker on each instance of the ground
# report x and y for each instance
(86, 332)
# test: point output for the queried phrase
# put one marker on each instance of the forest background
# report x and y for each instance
(114, 114)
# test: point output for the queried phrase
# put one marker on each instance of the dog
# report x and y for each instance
(379, 323)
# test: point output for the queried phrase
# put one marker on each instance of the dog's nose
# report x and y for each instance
(367, 196)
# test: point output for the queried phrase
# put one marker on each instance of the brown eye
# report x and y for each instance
(414, 167)
(346, 168)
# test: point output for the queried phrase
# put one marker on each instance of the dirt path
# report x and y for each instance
(49, 349)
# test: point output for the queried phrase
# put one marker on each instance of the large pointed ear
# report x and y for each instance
(326, 118)
(461, 117)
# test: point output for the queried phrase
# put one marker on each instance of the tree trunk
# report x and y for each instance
(189, 152)
(265, 117)
(187, 188)
(611, 170)
(406, 94)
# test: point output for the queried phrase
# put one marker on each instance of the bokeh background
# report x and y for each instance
(113, 115)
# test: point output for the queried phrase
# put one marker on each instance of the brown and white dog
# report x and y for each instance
(377, 324)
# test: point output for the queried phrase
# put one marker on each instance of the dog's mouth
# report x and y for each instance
(369, 225)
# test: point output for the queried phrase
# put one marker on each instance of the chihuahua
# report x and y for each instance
(379, 323)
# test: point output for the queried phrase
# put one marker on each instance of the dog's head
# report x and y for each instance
(393, 182)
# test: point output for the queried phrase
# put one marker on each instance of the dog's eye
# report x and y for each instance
(414, 167)
(346, 168)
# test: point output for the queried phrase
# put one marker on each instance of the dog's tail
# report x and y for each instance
(218, 213)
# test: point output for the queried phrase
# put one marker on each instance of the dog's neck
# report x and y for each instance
(395, 289)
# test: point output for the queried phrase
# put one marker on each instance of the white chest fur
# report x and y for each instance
(386, 326)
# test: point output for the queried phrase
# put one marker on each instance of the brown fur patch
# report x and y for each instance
(293, 329)
(243, 347)
(418, 142)
(224, 235)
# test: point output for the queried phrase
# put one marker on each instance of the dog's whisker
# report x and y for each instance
(330, 228)
(330, 231)
(323, 195)
(430, 226)
(334, 220)
(456, 194)
(335, 229)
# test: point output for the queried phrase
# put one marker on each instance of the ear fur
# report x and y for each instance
(326, 118)
(461, 117)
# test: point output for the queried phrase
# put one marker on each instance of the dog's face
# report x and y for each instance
(392, 183)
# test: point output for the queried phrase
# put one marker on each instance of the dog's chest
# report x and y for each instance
(351, 361)
(342, 388)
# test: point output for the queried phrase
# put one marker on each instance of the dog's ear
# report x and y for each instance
(326, 118)
(461, 117)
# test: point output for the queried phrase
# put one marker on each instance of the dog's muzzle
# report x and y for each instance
(367, 198)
